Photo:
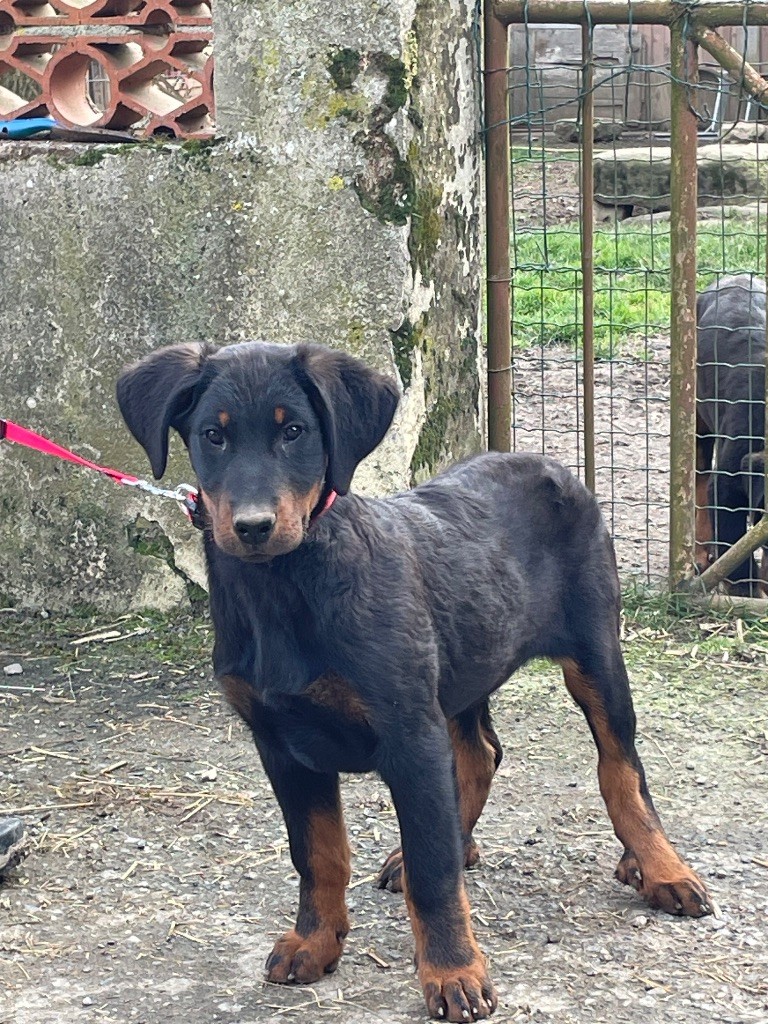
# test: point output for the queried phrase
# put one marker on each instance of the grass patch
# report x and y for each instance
(177, 638)
(655, 615)
(631, 280)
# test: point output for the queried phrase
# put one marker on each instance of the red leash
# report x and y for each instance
(184, 494)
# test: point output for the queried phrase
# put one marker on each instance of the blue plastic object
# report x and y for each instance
(24, 127)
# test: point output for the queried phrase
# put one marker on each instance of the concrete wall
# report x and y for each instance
(339, 204)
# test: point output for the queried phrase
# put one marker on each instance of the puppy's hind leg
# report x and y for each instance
(599, 685)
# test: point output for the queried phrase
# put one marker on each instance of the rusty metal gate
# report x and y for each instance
(569, 99)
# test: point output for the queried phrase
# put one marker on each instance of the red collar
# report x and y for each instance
(320, 510)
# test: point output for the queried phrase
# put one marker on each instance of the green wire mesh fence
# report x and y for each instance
(618, 78)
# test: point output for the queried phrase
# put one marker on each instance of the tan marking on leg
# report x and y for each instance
(305, 957)
(703, 528)
(329, 863)
(453, 993)
(665, 880)
(475, 768)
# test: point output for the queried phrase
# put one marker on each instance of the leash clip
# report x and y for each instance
(185, 494)
(188, 498)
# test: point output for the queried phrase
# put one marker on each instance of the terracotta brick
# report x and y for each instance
(159, 80)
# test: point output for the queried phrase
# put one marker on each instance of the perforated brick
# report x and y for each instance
(143, 65)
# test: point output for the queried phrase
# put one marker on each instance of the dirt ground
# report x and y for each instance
(159, 875)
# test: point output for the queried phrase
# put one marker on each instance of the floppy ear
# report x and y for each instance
(155, 393)
(354, 403)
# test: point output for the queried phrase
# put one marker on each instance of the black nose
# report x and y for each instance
(254, 528)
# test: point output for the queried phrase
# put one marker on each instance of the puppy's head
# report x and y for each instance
(270, 429)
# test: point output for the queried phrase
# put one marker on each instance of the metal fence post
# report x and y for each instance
(497, 240)
(587, 251)
(683, 203)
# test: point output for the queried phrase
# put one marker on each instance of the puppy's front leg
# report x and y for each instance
(320, 852)
(417, 768)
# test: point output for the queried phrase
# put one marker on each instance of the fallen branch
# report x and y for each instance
(756, 536)
(731, 60)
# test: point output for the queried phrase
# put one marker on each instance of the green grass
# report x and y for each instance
(631, 280)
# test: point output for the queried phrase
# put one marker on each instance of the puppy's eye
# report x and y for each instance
(292, 431)
(215, 436)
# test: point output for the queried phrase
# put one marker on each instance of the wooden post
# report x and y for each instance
(617, 12)
(588, 251)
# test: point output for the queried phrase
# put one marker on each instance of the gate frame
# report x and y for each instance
(691, 25)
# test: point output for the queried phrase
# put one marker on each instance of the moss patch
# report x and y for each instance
(355, 336)
(426, 226)
(198, 151)
(386, 187)
(405, 339)
(352, 106)
(266, 63)
(90, 157)
(431, 444)
(343, 67)
(396, 92)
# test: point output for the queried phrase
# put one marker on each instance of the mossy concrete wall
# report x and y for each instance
(339, 203)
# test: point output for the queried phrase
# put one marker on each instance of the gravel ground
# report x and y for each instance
(159, 875)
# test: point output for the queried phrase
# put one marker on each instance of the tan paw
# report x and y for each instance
(458, 994)
(681, 893)
(391, 874)
(297, 960)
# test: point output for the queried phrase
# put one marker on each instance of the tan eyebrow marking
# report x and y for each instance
(224, 418)
(279, 414)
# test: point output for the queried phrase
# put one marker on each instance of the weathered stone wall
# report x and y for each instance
(339, 204)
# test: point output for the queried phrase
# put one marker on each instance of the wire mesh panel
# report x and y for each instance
(630, 97)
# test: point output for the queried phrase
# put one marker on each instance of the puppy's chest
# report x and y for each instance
(278, 674)
(326, 726)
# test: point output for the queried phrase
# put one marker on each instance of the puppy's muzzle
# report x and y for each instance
(254, 527)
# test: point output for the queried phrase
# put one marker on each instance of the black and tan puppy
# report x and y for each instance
(730, 419)
(357, 635)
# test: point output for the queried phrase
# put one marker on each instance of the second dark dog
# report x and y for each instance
(730, 419)
(357, 635)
